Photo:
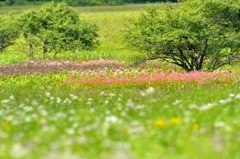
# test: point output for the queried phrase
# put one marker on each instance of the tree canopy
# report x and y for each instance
(199, 34)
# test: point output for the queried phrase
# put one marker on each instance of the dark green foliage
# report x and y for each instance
(56, 28)
(8, 31)
(200, 34)
(85, 2)
(113, 2)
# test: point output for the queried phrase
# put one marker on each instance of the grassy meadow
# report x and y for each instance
(93, 105)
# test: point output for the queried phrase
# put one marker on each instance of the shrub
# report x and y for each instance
(56, 27)
(8, 31)
(198, 34)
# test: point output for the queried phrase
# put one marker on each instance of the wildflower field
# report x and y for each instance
(105, 110)
(94, 105)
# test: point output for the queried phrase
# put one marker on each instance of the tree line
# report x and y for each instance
(82, 2)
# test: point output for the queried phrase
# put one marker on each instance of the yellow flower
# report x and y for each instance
(195, 126)
(175, 120)
(79, 99)
(6, 126)
(41, 121)
(159, 123)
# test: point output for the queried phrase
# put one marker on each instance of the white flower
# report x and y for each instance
(34, 102)
(9, 118)
(58, 100)
(89, 103)
(48, 94)
(108, 112)
(130, 103)
(27, 109)
(90, 99)
(70, 131)
(67, 101)
(106, 102)
(60, 155)
(150, 90)
(82, 140)
(140, 106)
(207, 106)
(192, 106)
(219, 124)
(5, 101)
(225, 101)
(237, 96)
(92, 110)
(75, 125)
(177, 102)
(123, 114)
(102, 93)
(43, 112)
(187, 113)
(28, 119)
(73, 96)
(111, 119)
(135, 130)
(18, 151)
(11, 97)
(166, 106)
(141, 114)
(21, 105)
(153, 100)
(112, 95)
(143, 94)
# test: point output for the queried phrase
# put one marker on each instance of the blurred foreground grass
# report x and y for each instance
(42, 117)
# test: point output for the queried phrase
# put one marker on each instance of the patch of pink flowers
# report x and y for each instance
(58, 66)
(150, 77)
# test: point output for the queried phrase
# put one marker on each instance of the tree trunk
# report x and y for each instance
(44, 48)
(30, 50)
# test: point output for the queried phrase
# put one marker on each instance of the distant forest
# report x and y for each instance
(81, 2)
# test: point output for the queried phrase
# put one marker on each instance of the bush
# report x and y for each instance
(8, 31)
(199, 34)
(56, 27)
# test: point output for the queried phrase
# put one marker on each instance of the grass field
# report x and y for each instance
(104, 109)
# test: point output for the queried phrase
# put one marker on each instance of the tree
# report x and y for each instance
(199, 34)
(56, 27)
(8, 31)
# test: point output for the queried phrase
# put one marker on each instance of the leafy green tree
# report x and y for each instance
(199, 34)
(8, 31)
(56, 27)
(30, 26)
